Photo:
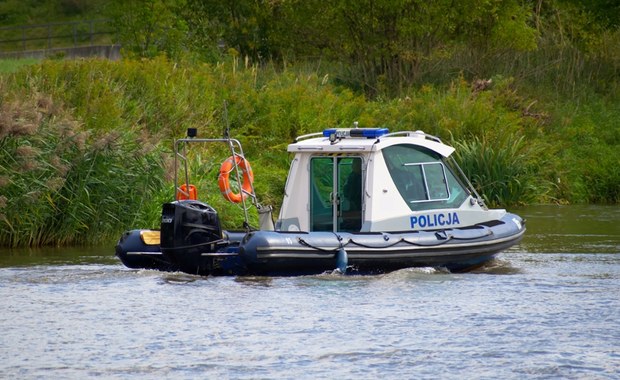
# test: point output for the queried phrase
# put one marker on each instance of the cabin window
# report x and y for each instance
(431, 180)
(422, 178)
(336, 193)
(321, 193)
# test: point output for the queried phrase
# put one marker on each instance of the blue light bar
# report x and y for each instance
(369, 133)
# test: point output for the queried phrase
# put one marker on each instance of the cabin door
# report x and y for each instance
(336, 193)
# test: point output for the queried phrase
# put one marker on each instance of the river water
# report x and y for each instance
(548, 308)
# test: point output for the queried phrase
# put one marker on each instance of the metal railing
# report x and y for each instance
(55, 35)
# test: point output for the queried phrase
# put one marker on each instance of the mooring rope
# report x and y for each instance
(440, 241)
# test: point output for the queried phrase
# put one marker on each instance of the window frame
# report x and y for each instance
(444, 181)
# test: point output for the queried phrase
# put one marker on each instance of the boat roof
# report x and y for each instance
(348, 140)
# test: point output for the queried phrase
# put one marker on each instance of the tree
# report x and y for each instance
(242, 25)
(147, 28)
(388, 40)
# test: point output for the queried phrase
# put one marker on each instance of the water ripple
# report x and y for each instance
(525, 315)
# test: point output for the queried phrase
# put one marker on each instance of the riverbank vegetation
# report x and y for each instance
(526, 92)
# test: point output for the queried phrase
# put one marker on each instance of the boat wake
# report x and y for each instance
(498, 266)
(179, 278)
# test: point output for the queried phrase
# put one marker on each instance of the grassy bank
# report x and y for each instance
(85, 145)
(13, 65)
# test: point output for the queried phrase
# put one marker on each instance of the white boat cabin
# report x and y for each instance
(370, 180)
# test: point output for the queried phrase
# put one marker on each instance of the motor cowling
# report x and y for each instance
(189, 226)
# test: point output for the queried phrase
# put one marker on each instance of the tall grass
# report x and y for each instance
(590, 138)
(85, 146)
(12, 65)
(503, 172)
(61, 184)
(108, 123)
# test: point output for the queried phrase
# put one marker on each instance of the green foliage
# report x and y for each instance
(386, 44)
(148, 100)
(526, 91)
(147, 28)
(503, 171)
(16, 12)
(590, 135)
(511, 30)
(61, 184)
(380, 47)
(245, 27)
(12, 65)
(81, 142)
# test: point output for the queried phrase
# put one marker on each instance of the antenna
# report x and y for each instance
(226, 122)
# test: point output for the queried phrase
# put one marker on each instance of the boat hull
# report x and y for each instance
(274, 253)
(136, 253)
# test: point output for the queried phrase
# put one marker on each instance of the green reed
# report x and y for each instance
(85, 146)
(504, 170)
(62, 184)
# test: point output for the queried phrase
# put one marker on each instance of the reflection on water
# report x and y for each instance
(571, 229)
(547, 308)
(56, 256)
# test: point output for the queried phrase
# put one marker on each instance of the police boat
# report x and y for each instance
(356, 201)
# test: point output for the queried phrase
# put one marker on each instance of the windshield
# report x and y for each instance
(422, 178)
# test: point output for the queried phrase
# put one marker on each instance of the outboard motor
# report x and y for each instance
(190, 228)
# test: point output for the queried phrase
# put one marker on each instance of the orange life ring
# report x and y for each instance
(224, 178)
